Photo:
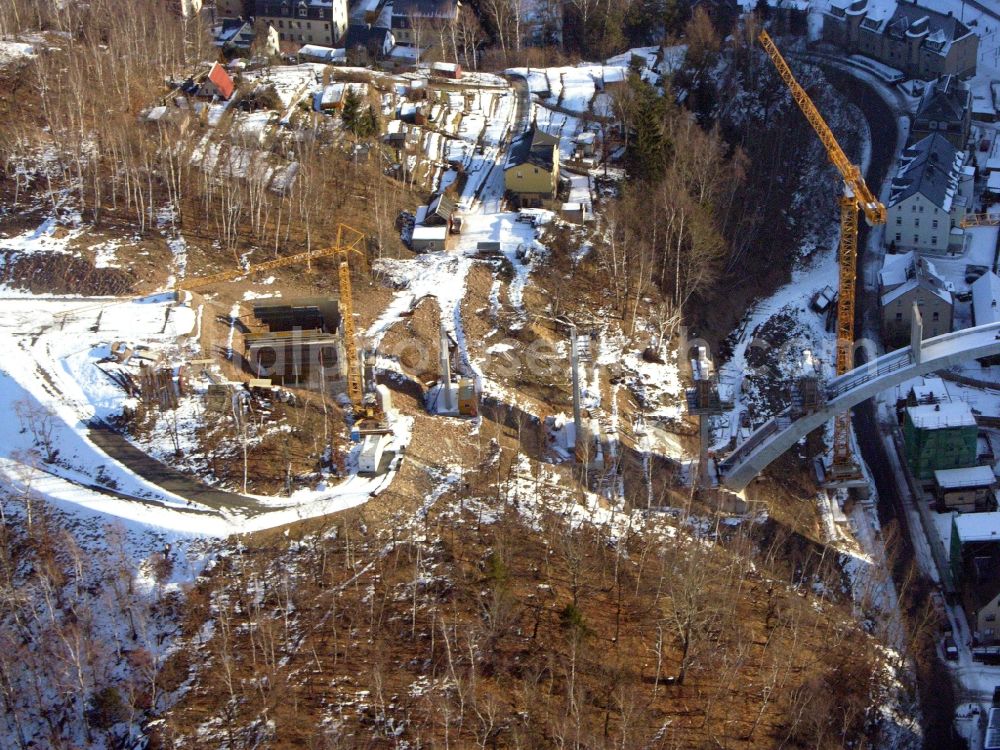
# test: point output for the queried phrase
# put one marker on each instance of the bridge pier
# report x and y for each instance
(779, 434)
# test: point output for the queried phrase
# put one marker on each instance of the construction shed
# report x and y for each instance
(429, 239)
(446, 70)
(298, 343)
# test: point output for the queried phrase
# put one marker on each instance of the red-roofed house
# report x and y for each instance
(218, 83)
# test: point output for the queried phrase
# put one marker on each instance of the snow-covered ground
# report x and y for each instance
(55, 381)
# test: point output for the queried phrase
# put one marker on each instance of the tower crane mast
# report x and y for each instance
(348, 241)
(857, 198)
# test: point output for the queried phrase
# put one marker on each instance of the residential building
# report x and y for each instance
(238, 38)
(532, 172)
(234, 36)
(415, 21)
(921, 42)
(906, 280)
(929, 197)
(939, 436)
(233, 9)
(974, 558)
(367, 44)
(965, 490)
(945, 108)
(321, 22)
(216, 84)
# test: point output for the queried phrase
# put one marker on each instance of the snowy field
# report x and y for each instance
(55, 380)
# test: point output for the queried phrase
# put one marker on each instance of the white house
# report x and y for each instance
(929, 197)
(321, 22)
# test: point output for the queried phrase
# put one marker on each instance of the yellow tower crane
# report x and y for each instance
(857, 197)
(348, 241)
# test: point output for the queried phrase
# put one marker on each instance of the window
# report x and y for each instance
(899, 317)
(899, 237)
(991, 617)
(913, 207)
(916, 222)
(281, 36)
(921, 209)
(309, 24)
(934, 240)
(916, 239)
(899, 221)
(936, 316)
(281, 24)
(934, 224)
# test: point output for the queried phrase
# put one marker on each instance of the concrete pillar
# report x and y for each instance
(574, 358)
(445, 366)
(916, 333)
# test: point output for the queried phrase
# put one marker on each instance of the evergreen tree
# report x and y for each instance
(649, 146)
(367, 124)
(351, 109)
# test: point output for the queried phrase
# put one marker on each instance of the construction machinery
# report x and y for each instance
(348, 241)
(856, 198)
(979, 220)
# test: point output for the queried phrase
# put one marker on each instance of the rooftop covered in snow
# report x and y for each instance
(941, 416)
(973, 476)
(930, 167)
(977, 527)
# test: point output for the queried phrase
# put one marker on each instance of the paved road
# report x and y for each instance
(491, 191)
(171, 480)
(882, 118)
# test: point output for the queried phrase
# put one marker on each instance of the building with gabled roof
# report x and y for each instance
(929, 196)
(367, 44)
(321, 22)
(922, 42)
(531, 174)
(945, 108)
(440, 211)
(412, 19)
(216, 83)
(907, 279)
(974, 559)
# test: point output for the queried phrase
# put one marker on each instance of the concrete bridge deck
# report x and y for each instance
(781, 432)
